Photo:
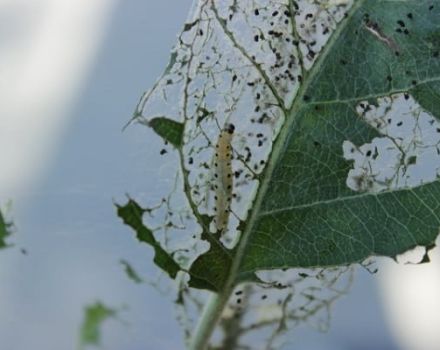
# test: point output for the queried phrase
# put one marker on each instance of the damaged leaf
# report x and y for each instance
(303, 130)
(131, 213)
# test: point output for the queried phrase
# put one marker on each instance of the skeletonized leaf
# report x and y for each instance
(305, 215)
(327, 165)
(334, 158)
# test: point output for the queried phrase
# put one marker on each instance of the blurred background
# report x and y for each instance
(71, 73)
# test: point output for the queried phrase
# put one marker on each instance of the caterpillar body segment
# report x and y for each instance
(223, 178)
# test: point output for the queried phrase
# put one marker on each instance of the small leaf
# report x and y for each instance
(170, 130)
(94, 317)
(5, 231)
(131, 214)
(131, 272)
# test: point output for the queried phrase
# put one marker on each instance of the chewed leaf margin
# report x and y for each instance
(209, 276)
(131, 213)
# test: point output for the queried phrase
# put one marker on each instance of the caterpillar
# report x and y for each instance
(223, 177)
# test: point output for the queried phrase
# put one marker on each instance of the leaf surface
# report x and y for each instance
(305, 215)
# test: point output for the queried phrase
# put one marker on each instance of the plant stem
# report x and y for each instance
(208, 320)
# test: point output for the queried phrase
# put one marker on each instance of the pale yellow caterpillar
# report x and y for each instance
(223, 178)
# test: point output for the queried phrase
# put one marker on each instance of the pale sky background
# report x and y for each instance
(71, 73)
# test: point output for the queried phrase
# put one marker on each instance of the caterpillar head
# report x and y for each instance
(230, 128)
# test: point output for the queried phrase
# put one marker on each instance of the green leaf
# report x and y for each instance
(304, 214)
(131, 272)
(170, 130)
(5, 231)
(131, 213)
(215, 264)
(94, 316)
